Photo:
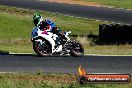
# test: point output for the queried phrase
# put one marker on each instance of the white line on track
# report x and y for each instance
(104, 55)
(97, 20)
(84, 54)
(21, 53)
(106, 21)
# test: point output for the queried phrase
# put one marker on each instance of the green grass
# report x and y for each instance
(16, 26)
(20, 21)
(41, 80)
(112, 49)
(109, 49)
(127, 4)
(16, 48)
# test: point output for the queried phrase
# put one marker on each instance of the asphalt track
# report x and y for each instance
(101, 13)
(65, 64)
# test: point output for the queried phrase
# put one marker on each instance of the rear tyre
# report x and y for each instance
(77, 50)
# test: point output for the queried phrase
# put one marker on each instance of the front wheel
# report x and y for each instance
(77, 50)
(42, 47)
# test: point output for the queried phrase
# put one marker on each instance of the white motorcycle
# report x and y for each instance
(44, 44)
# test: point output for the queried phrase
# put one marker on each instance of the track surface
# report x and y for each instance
(102, 13)
(65, 64)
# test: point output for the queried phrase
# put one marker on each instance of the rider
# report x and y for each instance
(45, 25)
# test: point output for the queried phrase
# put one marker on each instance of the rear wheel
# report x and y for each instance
(77, 50)
(42, 48)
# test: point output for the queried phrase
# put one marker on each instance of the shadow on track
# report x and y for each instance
(4, 53)
(33, 55)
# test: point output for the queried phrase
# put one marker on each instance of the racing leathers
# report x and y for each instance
(48, 25)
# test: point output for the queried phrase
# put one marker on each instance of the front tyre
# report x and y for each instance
(42, 48)
(77, 50)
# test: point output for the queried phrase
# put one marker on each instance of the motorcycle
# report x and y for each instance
(44, 44)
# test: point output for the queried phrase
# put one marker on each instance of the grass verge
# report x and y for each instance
(41, 80)
(127, 4)
(16, 26)
(91, 47)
